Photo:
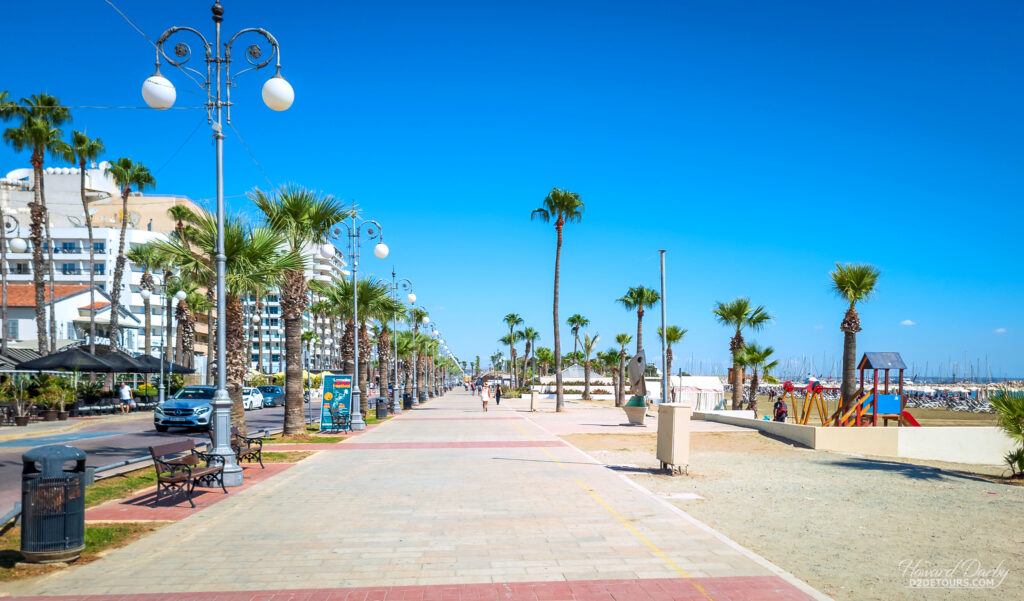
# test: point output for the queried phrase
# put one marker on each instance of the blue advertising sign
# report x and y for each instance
(337, 393)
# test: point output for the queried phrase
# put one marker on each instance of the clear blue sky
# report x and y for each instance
(758, 142)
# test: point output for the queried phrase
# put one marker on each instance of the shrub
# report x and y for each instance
(90, 391)
(1009, 407)
(146, 390)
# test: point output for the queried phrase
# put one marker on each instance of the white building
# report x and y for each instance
(71, 306)
(71, 262)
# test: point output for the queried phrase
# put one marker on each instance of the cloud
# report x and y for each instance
(908, 322)
(999, 331)
(819, 327)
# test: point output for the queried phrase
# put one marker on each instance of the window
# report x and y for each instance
(70, 269)
(99, 268)
(274, 310)
(12, 329)
(69, 247)
(100, 247)
(21, 268)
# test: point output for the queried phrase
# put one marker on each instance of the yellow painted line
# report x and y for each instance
(621, 519)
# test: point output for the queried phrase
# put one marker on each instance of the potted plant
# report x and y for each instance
(11, 392)
(67, 397)
(49, 393)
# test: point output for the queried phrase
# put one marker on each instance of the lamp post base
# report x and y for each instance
(222, 436)
(356, 417)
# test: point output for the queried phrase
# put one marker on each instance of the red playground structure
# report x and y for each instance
(872, 404)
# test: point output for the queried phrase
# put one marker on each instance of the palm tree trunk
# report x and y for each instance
(586, 378)
(559, 395)
(671, 389)
(752, 395)
(408, 375)
(148, 336)
(620, 398)
(40, 184)
(115, 290)
(188, 335)
(736, 347)
(364, 365)
(234, 365)
(38, 216)
(383, 355)
(92, 267)
(259, 324)
(181, 314)
(850, 327)
(294, 422)
(639, 330)
(210, 334)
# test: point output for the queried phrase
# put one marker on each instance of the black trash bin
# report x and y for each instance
(382, 407)
(52, 504)
(423, 396)
(406, 400)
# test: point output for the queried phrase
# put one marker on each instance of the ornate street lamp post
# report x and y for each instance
(405, 285)
(380, 251)
(278, 95)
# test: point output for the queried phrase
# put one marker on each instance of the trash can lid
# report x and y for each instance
(55, 453)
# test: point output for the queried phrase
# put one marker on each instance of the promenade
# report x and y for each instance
(443, 502)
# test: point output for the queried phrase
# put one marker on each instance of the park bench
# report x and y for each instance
(246, 448)
(179, 469)
(340, 421)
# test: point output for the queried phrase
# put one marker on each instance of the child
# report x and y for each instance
(781, 411)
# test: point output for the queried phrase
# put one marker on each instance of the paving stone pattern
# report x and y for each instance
(414, 506)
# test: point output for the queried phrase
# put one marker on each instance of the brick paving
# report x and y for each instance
(439, 509)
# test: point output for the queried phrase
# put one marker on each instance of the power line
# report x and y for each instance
(252, 156)
(151, 42)
(171, 158)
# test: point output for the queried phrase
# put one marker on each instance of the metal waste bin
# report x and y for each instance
(423, 396)
(52, 504)
(406, 400)
(382, 407)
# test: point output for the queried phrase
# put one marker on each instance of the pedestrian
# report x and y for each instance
(126, 398)
(497, 394)
(485, 395)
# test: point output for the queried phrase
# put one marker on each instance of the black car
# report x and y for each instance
(273, 396)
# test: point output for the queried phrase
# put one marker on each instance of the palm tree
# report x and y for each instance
(544, 358)
(512, 320)
(194, 304)
(854, 283)
(126, 173)
(39, 118)
(415, 317)
(86, 150)
(576, 322)
(589, 346)
(564, 207)
(740, 314)
(148, 257)
(639, 298)
(256, 259)
(405, 353)
(530, 335)
(675, 335)
(375, 304)
(620, 392)
(309, 337)
(757, 358)
(303, 218)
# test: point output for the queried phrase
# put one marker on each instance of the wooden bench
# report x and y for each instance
(246, 448)
(178, 468)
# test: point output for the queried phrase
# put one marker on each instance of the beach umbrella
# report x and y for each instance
(75, 359)
(151, 365)
(121, 363)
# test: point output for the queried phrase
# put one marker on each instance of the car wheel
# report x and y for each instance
(161, 428)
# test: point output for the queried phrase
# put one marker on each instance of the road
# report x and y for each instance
(112, 439)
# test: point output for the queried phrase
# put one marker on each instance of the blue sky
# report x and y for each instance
(758, 143)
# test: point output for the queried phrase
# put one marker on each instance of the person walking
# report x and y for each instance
(485, 395)
(126, 398)
(497, 394)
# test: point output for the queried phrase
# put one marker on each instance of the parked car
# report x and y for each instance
(188, 408)
(273, 396)
(252, 398)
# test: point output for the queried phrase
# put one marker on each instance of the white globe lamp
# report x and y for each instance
(180, 295)
(411, 298)
(159, 92)
(346, 272)
(426, 319)
(18, 245)
(381, 250)
(278, 94)
(145, 294)
(327, 250)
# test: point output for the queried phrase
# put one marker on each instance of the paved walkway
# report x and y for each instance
(443, 502)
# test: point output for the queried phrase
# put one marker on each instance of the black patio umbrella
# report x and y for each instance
(121, 363)
(75, 359)
(151, 365)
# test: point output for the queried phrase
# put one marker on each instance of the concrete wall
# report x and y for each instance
(958, 444)
(961, 444)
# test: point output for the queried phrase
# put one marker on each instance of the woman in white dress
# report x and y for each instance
(485, 395)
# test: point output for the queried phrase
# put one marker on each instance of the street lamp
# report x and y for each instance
(9, 225)
(406, 285)
(159, 93)
(380, 251)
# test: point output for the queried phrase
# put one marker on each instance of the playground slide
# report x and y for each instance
(909, 419)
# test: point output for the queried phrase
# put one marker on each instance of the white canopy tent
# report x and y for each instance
(703, 393)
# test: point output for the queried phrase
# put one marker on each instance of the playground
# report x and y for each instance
(795, 507)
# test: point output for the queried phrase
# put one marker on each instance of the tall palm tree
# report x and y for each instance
(405, 353)
(255, 259)
(576, 322)
(620, 392)
(512, 320)
(563, 207)
(415, 317)
(589, 346)
(758, 358)
(854, 283)
(675, 335)
(303, 218)
(148, 257)
(531, 336)
(375, 304)
(38, 130)
(544, 358)
(194, 304)
(739, 314)
(639, 298)
(85, 151)
(126, 174)
(609, 362)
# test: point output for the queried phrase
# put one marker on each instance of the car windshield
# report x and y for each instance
(247, 391)
(194, 393)
(270, 389)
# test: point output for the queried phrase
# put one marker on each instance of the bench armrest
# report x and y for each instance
(170, 467)
(209, 458)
